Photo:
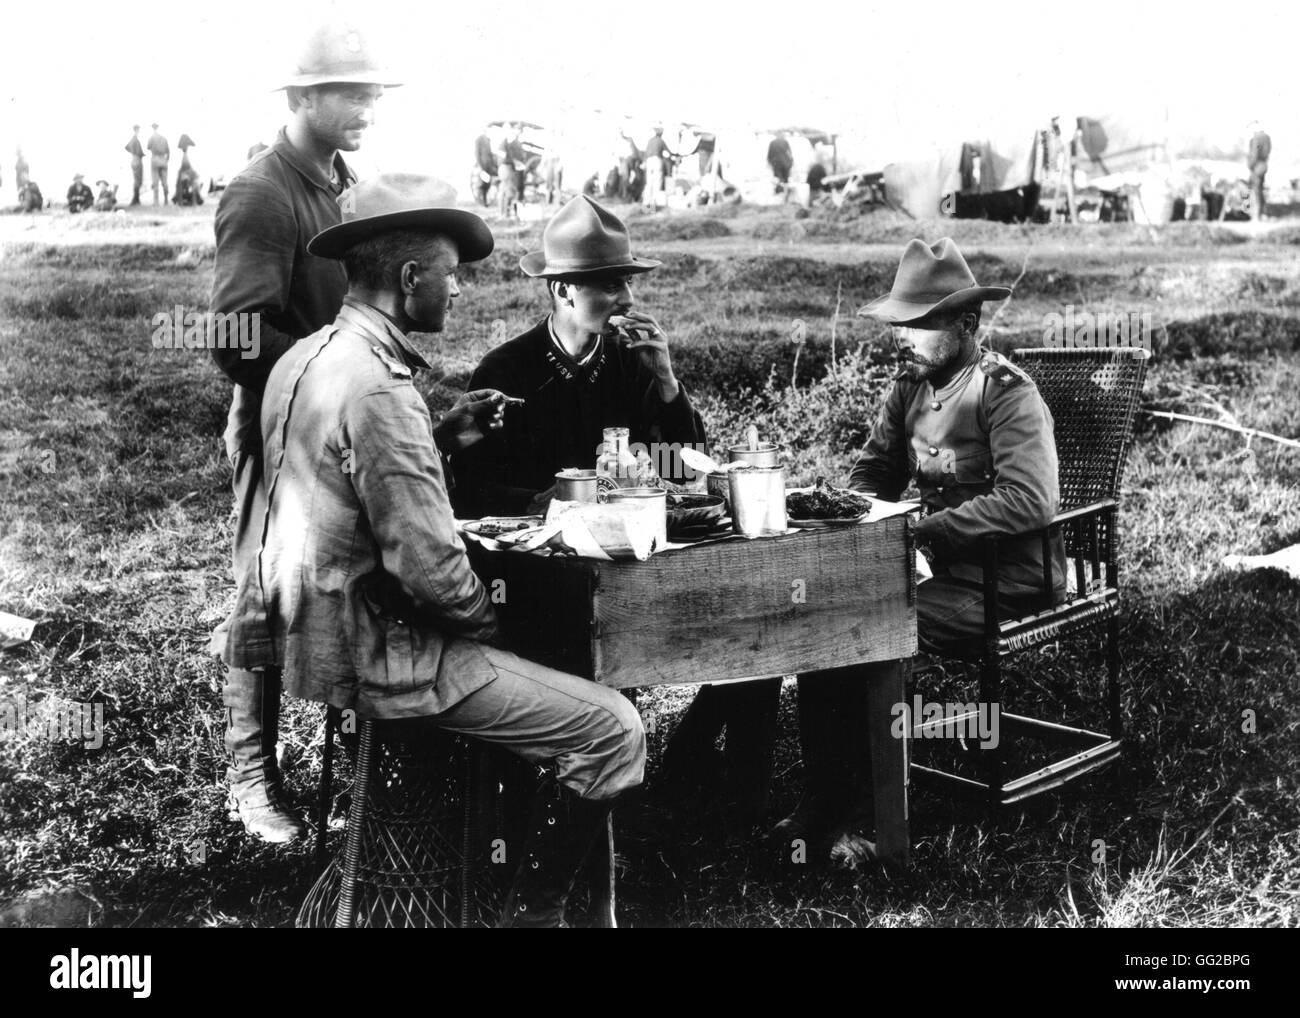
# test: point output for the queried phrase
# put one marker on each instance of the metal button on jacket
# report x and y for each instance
(933, 451)
(936, 405)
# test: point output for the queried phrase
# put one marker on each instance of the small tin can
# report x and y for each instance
(758, 501)
(574, 484)
(653, 502)
(717, 484)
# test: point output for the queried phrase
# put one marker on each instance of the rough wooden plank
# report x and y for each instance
(755, 608)
(775, 606)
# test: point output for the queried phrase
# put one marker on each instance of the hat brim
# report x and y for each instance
(893, 311)
(362, 78)
(471, 235)
(534, 264)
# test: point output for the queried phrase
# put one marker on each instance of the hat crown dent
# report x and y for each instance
(403, 201)
(395, 192)
(338, 53)
(932, 272)
(584, 228)
(583, 238)
(930, 277)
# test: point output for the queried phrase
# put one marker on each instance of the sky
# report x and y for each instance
(892, 79)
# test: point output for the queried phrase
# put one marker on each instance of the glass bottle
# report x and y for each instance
(614, 460)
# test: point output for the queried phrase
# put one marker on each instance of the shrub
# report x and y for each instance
(822, 425)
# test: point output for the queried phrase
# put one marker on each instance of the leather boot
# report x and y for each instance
(257, 797)
(691, 763)
(751, 715)
(561, 831)
(836, 759)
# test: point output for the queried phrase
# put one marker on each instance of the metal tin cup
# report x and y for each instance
(574, 484)
(766, 455)
(758, 500)
(653, 502)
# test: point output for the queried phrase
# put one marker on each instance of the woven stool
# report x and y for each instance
(423, 819)
(411, 856)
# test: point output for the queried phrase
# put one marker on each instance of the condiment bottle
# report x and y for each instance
(615, 462)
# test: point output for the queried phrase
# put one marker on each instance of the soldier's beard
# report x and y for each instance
(918, 368)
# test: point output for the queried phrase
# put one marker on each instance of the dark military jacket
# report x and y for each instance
(983, 458)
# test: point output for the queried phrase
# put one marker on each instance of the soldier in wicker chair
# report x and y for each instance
(972, 432)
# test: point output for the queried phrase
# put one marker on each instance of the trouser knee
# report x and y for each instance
(616, 755)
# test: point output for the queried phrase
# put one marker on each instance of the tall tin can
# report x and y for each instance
(758, 500)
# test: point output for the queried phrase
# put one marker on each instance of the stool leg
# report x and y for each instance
(326, 783)
(346, 916)
(603, 878)
(469, 808)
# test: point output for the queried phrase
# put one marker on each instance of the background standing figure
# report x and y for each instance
(485, 167)
(20, 172)
(187, 179)
(136, 151)
(657, 155)
(1261, 147)
(160, 155)
(780, 160)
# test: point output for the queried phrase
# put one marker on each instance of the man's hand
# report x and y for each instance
(540, 502)
(651, 343)
(471, 418)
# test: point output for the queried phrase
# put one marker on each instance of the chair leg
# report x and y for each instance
(326, 786)
(1112, 678)
(346, 916)
(991, 693)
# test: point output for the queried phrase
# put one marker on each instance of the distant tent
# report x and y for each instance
(987, 177)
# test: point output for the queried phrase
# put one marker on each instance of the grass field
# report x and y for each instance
(115, 539)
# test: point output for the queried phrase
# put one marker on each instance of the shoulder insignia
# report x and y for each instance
(395, 367)
(1002, 370)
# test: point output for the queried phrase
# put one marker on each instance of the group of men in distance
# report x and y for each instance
(159, 158)
(353, 587)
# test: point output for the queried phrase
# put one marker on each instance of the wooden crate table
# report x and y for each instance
(734, 609)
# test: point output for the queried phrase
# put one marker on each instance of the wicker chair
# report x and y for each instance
(1093, 395)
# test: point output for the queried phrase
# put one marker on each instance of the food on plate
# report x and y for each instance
(692, 511)
(823, 502)
(495, 526)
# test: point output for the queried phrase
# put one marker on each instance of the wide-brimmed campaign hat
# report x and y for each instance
(584, 238)
(930, 278)
(403, 201)
(337, 52)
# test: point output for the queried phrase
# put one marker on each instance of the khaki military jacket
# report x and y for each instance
(983, 459)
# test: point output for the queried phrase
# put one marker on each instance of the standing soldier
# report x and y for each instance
(137, 163)
(21, 179)
(485, 167)
(1261, 147)
(272, 208)
(160, 154)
